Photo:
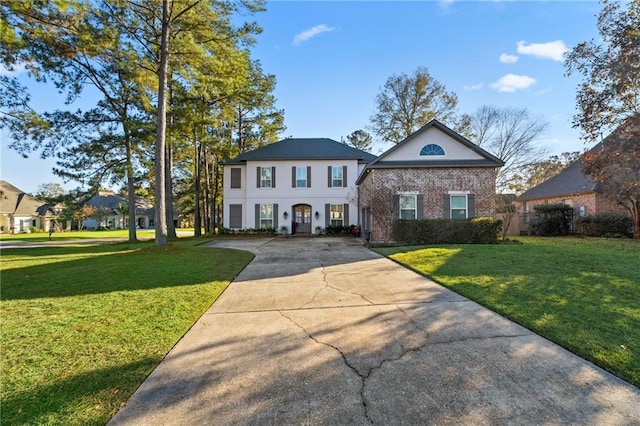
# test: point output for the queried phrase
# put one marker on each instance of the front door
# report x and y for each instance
(302, 218)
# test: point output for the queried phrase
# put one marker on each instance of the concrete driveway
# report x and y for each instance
(324, 331)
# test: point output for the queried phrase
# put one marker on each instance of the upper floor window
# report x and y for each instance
(432, 149)
(236, 178)
(301, 177)
(408, 207)
(337, 176)
(266, 177)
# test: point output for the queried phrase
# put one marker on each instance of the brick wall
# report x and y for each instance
(593, 204)
(380, 185)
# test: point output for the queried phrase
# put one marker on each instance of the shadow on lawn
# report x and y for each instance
(55, 402)
(116, 267)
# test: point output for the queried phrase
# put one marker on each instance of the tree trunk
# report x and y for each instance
(635, 212)
(171, 228)
(207, 194)
(197, 222)
(160, 191)
(131, 196)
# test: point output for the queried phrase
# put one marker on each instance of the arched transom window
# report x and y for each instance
(432, 149)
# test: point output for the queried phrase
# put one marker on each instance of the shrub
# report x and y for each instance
(34, 230)
(446, 231)
(552, 220)
(605, 224)
(246, 231)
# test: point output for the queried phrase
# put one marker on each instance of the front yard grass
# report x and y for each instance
(583, 294)
(77, 235)
(83, 326)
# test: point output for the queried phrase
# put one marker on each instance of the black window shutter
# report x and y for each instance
(257, 224)
(275, 216)
(446, 202)
(293, 176)
(471, 205)
(273, 176)
(258, 177)
(327, 215)
(308, 176)
(346, 214)
(329, 180)
(396, 207)
(420, 206)
(344, 176)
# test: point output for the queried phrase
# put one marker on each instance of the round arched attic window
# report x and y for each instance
(432, 149)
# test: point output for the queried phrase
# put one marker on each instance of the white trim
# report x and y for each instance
(458, 192)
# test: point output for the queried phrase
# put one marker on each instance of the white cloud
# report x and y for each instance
(474, 86)
(505, 58)
(512, 82)
(552, 50)
(311, 32)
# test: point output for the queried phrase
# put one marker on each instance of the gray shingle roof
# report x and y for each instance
(17, 202)
(305, 149)
(109, 200)
(569, 181)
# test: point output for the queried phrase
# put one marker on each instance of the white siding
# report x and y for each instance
(453, 149)
(286, 196)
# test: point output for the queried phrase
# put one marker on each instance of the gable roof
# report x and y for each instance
(107, 200)
(569, 181)
(486, 159)
(304, 149)
(17, 202)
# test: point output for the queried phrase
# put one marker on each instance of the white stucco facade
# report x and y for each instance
(286, 194)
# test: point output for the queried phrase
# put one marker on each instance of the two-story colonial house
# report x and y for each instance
(302, 184)
(314, 183)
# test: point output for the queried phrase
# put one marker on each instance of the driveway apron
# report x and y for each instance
(324, 331)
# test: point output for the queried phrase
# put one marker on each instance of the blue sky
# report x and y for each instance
(331, 59)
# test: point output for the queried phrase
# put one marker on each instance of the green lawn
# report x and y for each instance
(83, 326)
(583, 294)
(77, 235)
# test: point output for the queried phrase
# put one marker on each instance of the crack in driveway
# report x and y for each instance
(327, 285)
(364, 376)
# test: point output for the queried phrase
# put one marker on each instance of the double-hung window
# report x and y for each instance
(301, 177)
(337, 177)
(459, 207)
(265, 177)
(408, 206)
(266, 215)
(337, 215)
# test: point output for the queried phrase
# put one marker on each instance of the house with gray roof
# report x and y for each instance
(111, 211)
(572, 187)
(20, 211)
(306, 185)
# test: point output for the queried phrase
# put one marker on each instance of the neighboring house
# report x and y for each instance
(300, 184)
(20, 211)
(434, 173)
(111, 212)
(571, 187)
(315, 183)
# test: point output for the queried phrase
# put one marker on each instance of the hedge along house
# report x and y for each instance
(434, 173)
(298, 183)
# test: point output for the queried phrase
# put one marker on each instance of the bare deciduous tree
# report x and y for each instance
(512, 135)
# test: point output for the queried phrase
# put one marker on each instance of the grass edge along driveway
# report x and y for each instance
(583, 294)
(83, 326)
